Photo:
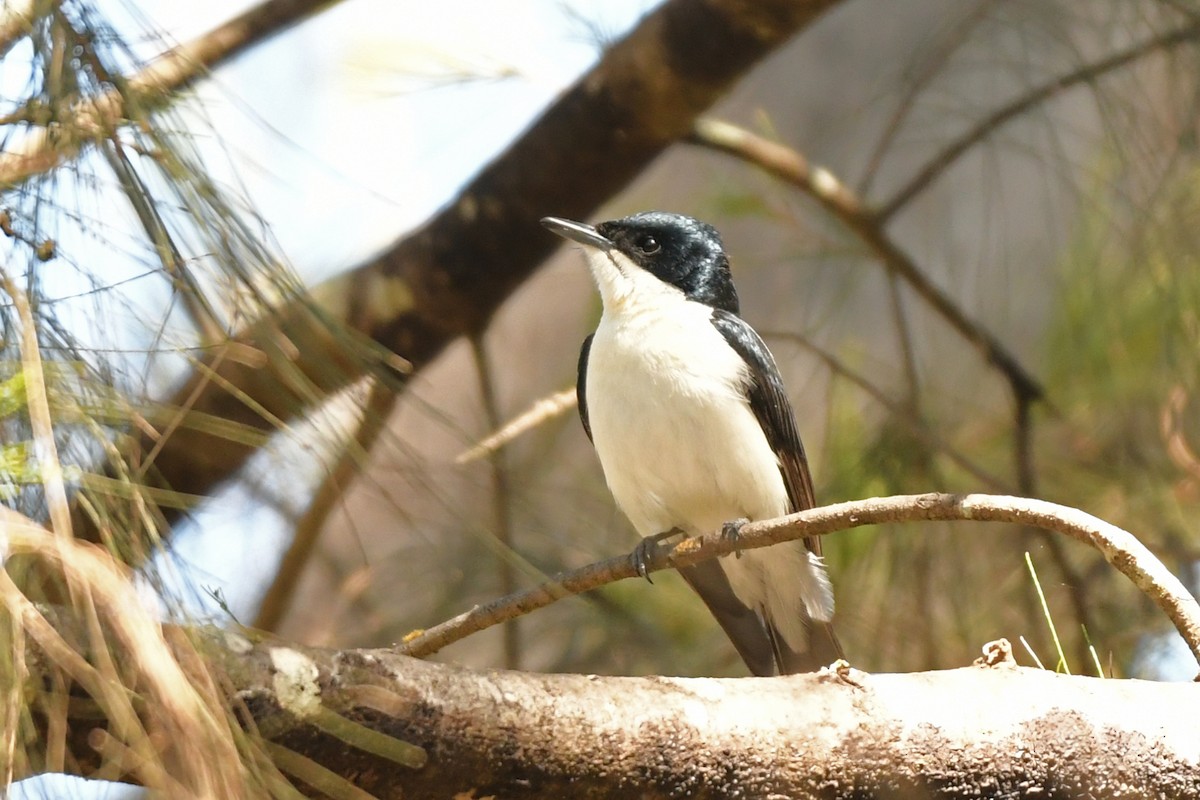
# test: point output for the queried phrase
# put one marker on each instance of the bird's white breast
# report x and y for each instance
(678, 442)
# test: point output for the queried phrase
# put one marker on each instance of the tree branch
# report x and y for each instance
(154, 87)
(987, 126)
(142, 703)
(983, 731)
(842, 203)
(1120, 548)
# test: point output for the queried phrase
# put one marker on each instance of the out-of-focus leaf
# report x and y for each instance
(12, 395)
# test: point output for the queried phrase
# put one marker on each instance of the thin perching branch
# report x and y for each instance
(1119, 547)
(500, 489)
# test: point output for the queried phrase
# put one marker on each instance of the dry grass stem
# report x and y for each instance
(542, 410)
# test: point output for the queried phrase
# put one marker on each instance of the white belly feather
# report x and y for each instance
(680, 447)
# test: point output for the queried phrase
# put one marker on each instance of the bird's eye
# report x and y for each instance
(647, 244)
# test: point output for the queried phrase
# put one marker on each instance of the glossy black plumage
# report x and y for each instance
(581, 385)
(689, 254)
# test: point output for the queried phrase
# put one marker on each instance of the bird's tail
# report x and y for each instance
(757, 639)
(823, 649)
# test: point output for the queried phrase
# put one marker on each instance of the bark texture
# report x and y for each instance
(984, 731)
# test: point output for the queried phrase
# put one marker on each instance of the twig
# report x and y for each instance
(952, 152)
(905, 342)
(1182, 7)
(37, 402)
(16, 21)
(900, 411)
(278, 599)
(1120, 548)
(1075, 585)
(543, 409)
(958, 36)
(192, 296)
(500, 499)
(789, 165)
(152, 87)
(1170, 427)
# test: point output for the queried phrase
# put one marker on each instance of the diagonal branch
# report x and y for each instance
(542, 410)
(789, 165)
(16, 21)
(152, 88)
(930, 69)
(1119, 547)
(987, 126)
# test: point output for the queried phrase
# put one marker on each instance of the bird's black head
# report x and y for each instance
(678, 250)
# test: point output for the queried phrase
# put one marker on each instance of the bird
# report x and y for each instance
(694, 431)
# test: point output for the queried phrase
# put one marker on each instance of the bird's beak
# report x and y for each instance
(579, 232)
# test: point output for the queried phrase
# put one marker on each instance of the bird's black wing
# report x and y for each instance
(770, 405)
(769, 402)
(581, 385)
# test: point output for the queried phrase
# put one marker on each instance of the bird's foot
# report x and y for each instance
(646, 549)
(732, 531)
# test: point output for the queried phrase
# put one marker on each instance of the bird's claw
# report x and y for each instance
(641, 554)
(732, 531)
(646, 550)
